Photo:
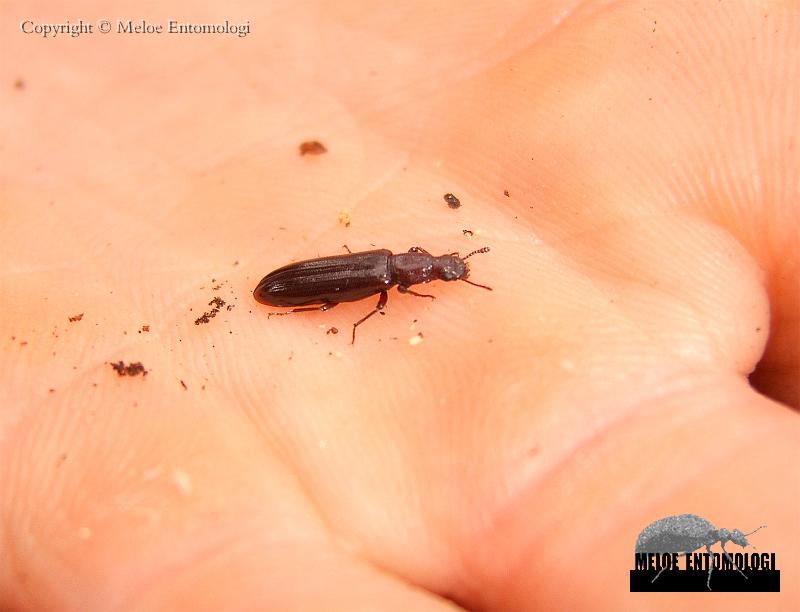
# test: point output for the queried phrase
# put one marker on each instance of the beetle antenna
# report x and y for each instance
(756, 529)
(483, 250)
(476, 284)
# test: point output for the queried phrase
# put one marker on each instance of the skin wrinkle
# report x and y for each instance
(754, 267)
(667, 289)
(279, 449)
(602, 429)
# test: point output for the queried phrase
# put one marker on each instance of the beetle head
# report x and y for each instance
(454, 267)
(736, 536)
(450, 267)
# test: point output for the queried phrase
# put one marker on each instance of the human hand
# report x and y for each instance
(643, 262)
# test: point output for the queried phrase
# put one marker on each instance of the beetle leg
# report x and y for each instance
(658, 574)
(727, 554)
(402, 289)
(347, 248)
(710, 566)
(418, 250)
(378, 308)
(323, 308)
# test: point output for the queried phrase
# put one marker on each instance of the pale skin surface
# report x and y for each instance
(643, 261)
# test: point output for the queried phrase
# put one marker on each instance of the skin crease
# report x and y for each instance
(644, 261)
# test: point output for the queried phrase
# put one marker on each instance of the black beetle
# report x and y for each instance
(685, 533)
(347, 278)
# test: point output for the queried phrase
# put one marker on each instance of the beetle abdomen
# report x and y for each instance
(340, 278)
(681, 533)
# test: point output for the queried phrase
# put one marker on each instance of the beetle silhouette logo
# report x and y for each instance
(685, 533)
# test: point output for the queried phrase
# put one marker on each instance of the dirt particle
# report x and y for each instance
(505, 193)
(132, 369)
(344, 218)
(75, 318)
(415, 340)
(312, 147)
(452, 201)
(333, 330)
(217, 304)
(467, 232)
(183, 384)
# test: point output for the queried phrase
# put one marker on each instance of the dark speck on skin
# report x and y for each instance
(312, 147)
(132, 369)
(452, 201)
(217, 304)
